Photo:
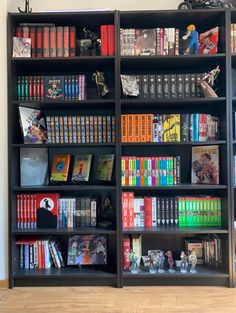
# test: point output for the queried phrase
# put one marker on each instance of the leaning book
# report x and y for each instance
(33, 125)
(205, 165)
(81, 168)
(105, 167)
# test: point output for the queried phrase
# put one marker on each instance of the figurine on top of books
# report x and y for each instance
(193, 44)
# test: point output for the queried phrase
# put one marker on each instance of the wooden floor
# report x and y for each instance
(112, 300)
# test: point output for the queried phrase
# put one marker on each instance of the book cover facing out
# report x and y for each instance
(60, 167)
(54, 88)
(205, 165)
(81, 168)
(47, 210)
(105, 167)
(87, 250)
(208, 41)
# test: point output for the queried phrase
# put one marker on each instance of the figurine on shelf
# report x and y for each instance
(100, 82)
(95, 47)
(170, 261)
(193, 35)
(208, 81)
(160, 261)
(183, 262)
(106, 215)
(152, 263)
(134, 268)
(192, 259)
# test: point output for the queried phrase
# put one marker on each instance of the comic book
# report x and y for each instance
(60, 167)
(145, 41)
(105, 167)
(208, 41)
(21, 47)
(81, 168)
(54, 87)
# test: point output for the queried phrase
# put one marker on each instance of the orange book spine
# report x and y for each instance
(136, 128)
(149, 120)
(124, 128)
(130, 128)
(143, 127)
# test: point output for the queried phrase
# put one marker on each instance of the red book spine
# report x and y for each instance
(131, 209)
(148, 212)
(21, 216)
(72, 41)
(25, 32)
(35, 211)
(18, 32)
(39, 40)
(161, 41)
(30, 88)
(33, 41)
(42, 254)
(18, 211)
(127, 171)
(125, 210)
(41, 88)
(111, 39)
(104, 45)
(126, 251)
(53, 39)
(59, 41)
(46, 42)
(205, 127)
(32, 211)
(66, 41)
(201, 127)
(34, 88)
(28, 212)
(38, 88)
(39, 254)
(24, 212)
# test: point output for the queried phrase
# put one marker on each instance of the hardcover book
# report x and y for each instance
(82, 167)
(208, 41)
(105, 167)
(54, 87)
(33, 166)
(47, 210)
(87, 250)
(60, 167)
(21, 47)
(33, 125)
(145, 42)
(205, 165)
(129, 85)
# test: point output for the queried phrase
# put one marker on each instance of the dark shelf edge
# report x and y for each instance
(63, 188)
(178, 187)
(63, 59)
(145, 275)
(173, 57)
(91, 101)
(177, 230)
(177, 101)
(189, 143)
(63, 231)
(21, 145)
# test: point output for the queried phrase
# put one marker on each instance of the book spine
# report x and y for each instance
(76, 87)
(46, 42)
(166, 86)
(148, 212)
(111, 39)
(144, 86)
(158, 41)
(66, 41)
(93, 213)
(72, 37)
(39, 40)
(104, 40)
(91, 132)
(125, 210)
(53, 39)
(72, 87)
(176, 41)
(104, 129)
(113, 128)
(187, 93)
(74, 129)
(154, 211)
(126, 249)
(184, 128)
(159, 87)
(87, 129)
(60, 36)
(151, 87)
(180, 86)
(32, 36)
(192, 85)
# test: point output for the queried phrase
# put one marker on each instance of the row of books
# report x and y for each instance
(233, 38)
(48, 40)
(42, 254)
(151, 212)
(165, 41)
(34, 167)
(169, 127)
(51, 88)
(150, 171)
(107, 39)
(81, 129)
(162, 86)
(208, 249)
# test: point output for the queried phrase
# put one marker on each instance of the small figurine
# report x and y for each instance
(207, 82)
(204, 4)
(192, 258)
(95, 47)
(211, 76)
(170, 261)
(100, 82)
(160, 261)
(193, 34)
(152, 264)
(106, 216)
(134, 268)
(184, 262)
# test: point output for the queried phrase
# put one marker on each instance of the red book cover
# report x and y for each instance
(208, 41)
(148, 212)
(201, 127)
(111, 39)
(104, 37)
(30, 88)
(32, 211)
(59, 41)
(125, 210)
(35, 210)
(33, 41)
(40, 254)
(18, 211)
(46, 42)
(205, 126)
(28, 211)
(161, 41)
(39, 40)
(72, 41)
(66, 41)
(18, 32)
(131, 209)
(21, 215)
(126, 251)
(24, 212)
(47, 210)
(53, 39)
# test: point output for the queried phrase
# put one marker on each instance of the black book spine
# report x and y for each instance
(88, 212)
(173, 86)
(193, 91)
(22, 256)
(172, 213)
(151, 87)
(186, 85)
(163, 213)
(176, 211)
(234, 125)
(184, 127)
(83, 212)
(159, 87)
(180, 86)
(158, 211)
(166, 86)
(138, 79)
(198, 78)
(167, 209)
(144, 86)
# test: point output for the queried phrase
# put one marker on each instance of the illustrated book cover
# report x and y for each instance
(208, 41)
(47, 210)
(105, 167)
(54, 88)
(145, 41)
(21, 47)
(81, 168)
(60, 168)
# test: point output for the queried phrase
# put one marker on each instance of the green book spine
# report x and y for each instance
(204, 220)
(219, 221)
(134, 171)
(187, 212)
(19, 88)
(26, 88)
(213, 212)
(180, 209)
(23, 88)
(201, 213)
(194, 203)
(171, 172)
(208, 212)
(145, 172)
(130, 171)
(197, 212)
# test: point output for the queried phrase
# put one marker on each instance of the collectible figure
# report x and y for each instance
(184, 262)
(207, 82)
(152, 264)
(134, 269)
(193, 34)
(170, 261)
(160, 261)
(106, 216)
(192, 259)
(95, 47)
(100, 82)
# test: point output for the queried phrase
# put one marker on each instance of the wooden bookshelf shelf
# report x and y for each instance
(58, 188)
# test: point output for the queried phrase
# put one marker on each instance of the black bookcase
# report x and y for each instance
(113, 66)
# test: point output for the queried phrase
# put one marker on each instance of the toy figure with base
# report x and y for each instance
(100, 82)
(208, 81)
(160, 261)
(134, 268)
(192, 258)
(152, 264)
(170, 261)
(193, 34)
(183, 263)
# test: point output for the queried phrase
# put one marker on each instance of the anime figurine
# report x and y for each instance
(100, 252)
(184, 262)
(106, 216)
(208, 81)
(170, 261)
(95, 47)
(152, 264)
(160, 261)
(134, 263)
(100, 82)
(192, 259)
(193, 34)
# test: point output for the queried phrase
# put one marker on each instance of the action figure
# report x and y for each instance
(184, 262)
(152, 264)
(95, 44)
(106, 216)
(193, 34)
(160, 261)
(100, 82)
(207, 82)
(192, 258)
(134, 268)
(170, 261)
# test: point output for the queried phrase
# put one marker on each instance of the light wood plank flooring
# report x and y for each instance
(126, 300)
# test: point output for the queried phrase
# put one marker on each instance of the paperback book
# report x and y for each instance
(105, 167)
(60, 168)
(82, 167)
(54, 87)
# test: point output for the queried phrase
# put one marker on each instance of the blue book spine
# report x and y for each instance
(164, 172)
(66, 88)
(76, 87)
(196, 127)
(26, 256)
(160, 172)
(138, 172)
(73, 87)
(69, 87)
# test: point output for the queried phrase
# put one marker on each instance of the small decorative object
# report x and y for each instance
(95, 47)
(160, 261)
(27, 8)
(106, 218)
(207, 82)
(192, 259)
(134, 268)
(100, 82)
(183, 262)
(204, 4)
(129, 85)
(170, 261)
(152, 261)
(193, 34)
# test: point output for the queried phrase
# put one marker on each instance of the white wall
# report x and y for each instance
(42, 5)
